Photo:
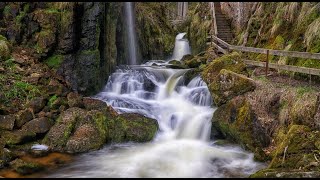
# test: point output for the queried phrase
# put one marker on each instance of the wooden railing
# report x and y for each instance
(306, 55)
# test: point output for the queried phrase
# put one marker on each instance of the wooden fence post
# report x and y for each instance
(267, 63)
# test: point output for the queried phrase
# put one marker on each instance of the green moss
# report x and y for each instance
(52, 100)
(54, 61)
(4, 50)
(296, 150)
(21, 90)
(7, 10)
(232, 62)
(2, 38)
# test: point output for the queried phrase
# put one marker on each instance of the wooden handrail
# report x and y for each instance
(214, 19)
(306, 55)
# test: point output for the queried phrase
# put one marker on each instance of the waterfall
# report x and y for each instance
(131, 33)
(181, 148)
(181, 47)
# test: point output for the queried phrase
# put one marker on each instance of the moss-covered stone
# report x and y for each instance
(4, 50)
(230, 62)
(236, 121)
(297, 149)
(131, 127)
(24, 167)
(54, 61)
(229, 84)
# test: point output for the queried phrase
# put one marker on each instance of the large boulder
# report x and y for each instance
(228, 85)
(131, 127)
(236, 121)
(38, 125)
(231, 62)
(61, 131)
(90, 133)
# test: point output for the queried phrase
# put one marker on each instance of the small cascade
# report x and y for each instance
(181, 47)
(181, 148)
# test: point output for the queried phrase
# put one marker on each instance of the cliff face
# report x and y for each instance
(75, 39)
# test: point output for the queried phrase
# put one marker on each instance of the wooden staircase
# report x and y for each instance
(223, 29)
(223, 26)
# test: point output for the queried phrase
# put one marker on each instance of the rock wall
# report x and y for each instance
(75, 39)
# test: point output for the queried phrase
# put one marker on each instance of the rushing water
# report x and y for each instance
(181, 47)
(131, 33)
(181, 148)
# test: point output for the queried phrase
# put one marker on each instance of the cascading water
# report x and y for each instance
(182, 147)
(181, 47)
(131, 33)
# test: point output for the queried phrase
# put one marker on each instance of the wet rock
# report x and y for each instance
(75, 100)
(37, 103)
(285, 174)
(195, 62)
(228, 85)
(187, 57)
(90, 103)
(7, 122)
(24, 167)
(131, 127)
(6, 156)
(38, 125)
(17, 137)
(60, 132)
(22, 117)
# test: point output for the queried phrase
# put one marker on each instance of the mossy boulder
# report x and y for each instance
(7, 122)
(196, 61)
(296, 155)
(16, 137)
(231, 62)
(228, 84)
(186, 57)
(89, 134)
(131, 127)
(78, 130)
(23, 167)
(236, 121)
(5, 51)
(90, 103)
(61, 131)
(175, 64)
(22, 117)
(297, 149)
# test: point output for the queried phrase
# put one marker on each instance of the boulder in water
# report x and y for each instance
(131, 127)
(24, 167)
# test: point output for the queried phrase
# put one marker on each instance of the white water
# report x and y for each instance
(181, 47)
(131, 33)
(182, 147)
